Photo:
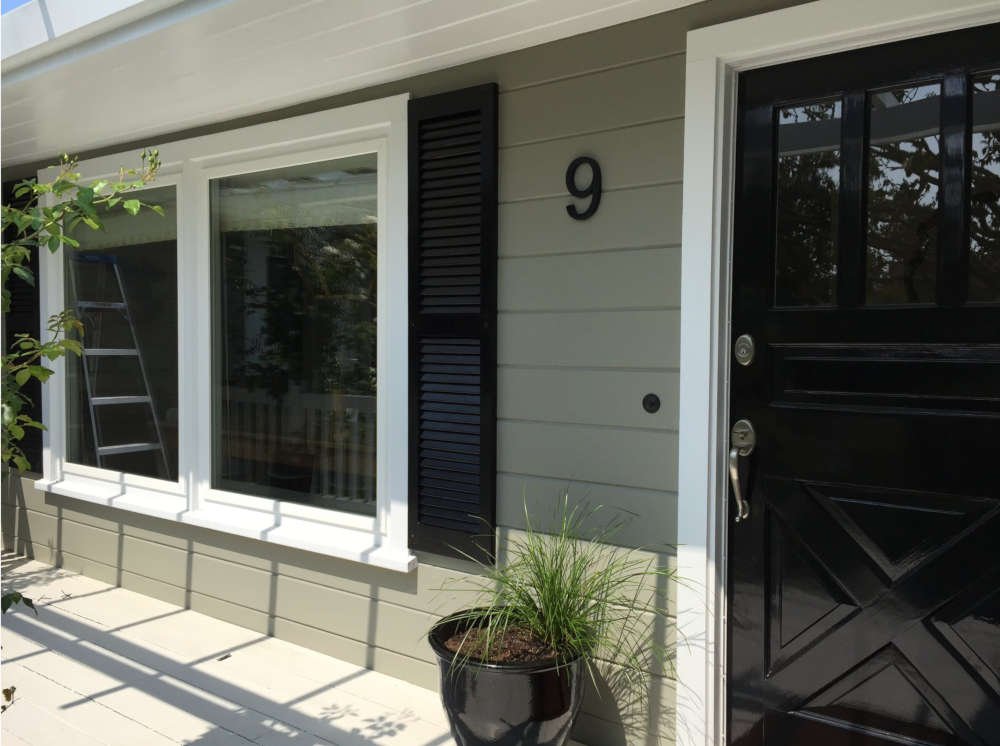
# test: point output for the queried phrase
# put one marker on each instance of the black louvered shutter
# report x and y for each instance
(453, 267)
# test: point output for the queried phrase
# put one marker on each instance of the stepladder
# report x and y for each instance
(110, 338)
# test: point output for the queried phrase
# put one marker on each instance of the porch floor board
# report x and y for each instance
(103, 665)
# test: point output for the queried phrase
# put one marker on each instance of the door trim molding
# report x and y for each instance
(715, 56)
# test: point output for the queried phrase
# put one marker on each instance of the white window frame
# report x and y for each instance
(188, 165)
(715, 57)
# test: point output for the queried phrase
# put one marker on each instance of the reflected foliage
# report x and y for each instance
(984, 192)
(904, 167)
(313, 309)
(808, 184)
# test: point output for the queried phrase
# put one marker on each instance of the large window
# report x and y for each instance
(246, 355)
(294, 366)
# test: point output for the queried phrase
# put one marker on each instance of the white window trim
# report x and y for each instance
(188, 165)
(715, 56)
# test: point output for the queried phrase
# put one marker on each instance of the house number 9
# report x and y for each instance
(592, 190)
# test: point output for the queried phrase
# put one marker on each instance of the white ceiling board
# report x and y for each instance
(205, 62)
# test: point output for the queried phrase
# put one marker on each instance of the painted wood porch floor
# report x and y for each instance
(103, 665)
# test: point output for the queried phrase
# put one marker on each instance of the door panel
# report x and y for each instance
(864, 588)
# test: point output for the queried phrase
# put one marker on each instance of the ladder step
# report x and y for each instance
(101, 401)
(101, 305)
(110, 352)
(127, 448)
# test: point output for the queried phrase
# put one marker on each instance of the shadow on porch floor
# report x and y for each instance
(103, 665)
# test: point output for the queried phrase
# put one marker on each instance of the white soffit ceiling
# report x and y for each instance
(155, 66)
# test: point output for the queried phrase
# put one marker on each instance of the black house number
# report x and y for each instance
(592, 190)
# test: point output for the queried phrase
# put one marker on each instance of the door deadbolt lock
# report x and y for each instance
(744, 349)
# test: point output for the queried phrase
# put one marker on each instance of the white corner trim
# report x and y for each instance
(715, 56)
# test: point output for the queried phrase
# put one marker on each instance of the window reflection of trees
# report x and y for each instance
(984, 192)
(808, 184)
(904, 166)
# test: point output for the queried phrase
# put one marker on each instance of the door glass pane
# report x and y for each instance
(984, 194)
(121, 395)
(294, 252)
(808, 184)
(904, 164)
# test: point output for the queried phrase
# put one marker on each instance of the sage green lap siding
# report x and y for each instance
(607, 340)
(647, 278)
(587, 396)
(537, 170)
(628, 218)
(647, 91)
(614, 456)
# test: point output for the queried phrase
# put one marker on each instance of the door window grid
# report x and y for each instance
(913, 249)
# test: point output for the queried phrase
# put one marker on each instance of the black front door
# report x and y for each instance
(864, 585)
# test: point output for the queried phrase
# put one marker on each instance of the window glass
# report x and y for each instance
(904, 165)
(984, 192)
(294, 254)
(122, 393)
(808, 185)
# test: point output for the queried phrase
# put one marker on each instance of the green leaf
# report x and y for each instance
(73, 346)
(40, 372)
(91, 223)
(25, 274)
(114, 201)
(53, 243)
(157, 209)
(15, 430)
(131, 206)
(22, 376)
(22, 464)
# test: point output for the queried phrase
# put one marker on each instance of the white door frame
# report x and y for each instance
(715, 56)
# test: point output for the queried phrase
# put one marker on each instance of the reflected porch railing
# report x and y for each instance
(322, 445)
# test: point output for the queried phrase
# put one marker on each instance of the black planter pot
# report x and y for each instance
(506, 705)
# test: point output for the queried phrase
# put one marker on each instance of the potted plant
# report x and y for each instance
(559, 611)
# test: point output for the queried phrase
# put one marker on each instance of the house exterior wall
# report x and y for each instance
(588, 324)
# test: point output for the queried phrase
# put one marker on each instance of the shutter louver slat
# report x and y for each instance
(453, 237)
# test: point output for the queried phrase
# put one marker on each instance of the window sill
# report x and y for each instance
(322, 538)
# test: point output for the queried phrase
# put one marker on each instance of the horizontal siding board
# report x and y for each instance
(87, 541)
(630, 458)
(649, 516)
(605, 100)
(147, 586)
(630, 156)
(230, 582)
(625, 339)
(651, 214)
(73, 562)
(158, 562)
(644, 278)
(420, 672)
(357, 617)
(588, 397)
(238, 614)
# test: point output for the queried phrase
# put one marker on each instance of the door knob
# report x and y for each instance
(742, 439)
